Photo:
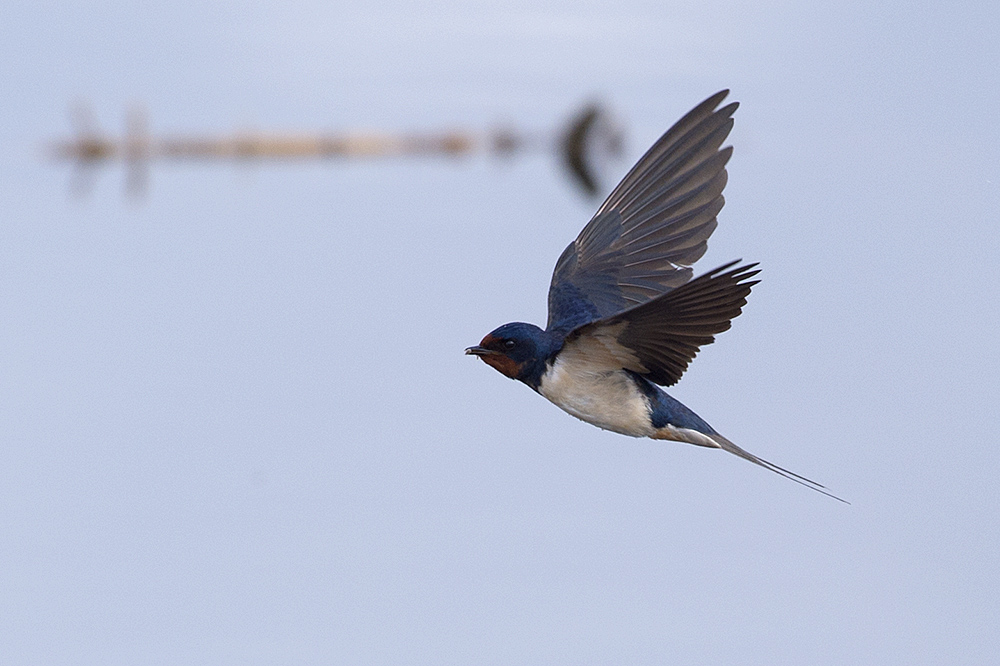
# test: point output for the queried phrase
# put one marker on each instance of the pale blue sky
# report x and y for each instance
(238, 427)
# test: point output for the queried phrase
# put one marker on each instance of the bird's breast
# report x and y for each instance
(591, 391)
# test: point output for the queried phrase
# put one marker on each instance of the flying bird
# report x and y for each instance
(625, 317)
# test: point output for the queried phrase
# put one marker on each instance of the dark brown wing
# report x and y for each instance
(664, 334)
(654, 225)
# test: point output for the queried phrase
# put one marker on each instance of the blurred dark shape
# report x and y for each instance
(589, 137)
(137, 152)
(89, 149)
(506, 141)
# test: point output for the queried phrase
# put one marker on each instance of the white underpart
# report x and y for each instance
(608, 400)
(588, 381)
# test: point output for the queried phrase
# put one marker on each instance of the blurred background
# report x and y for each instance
(238, 427)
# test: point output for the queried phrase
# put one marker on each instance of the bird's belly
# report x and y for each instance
(608, 399)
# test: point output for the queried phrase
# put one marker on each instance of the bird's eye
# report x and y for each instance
(509, 344)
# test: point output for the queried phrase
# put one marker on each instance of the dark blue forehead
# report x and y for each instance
(518, 331)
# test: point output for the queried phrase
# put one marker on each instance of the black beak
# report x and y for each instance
(479, 351)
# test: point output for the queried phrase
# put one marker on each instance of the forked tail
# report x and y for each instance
(726, 445)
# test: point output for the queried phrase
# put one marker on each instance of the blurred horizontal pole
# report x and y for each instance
(588, 137)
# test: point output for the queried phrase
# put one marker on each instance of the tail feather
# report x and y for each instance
(726, 445)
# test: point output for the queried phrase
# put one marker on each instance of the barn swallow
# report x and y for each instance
(625, 317)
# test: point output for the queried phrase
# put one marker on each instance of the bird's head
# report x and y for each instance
(517, 350)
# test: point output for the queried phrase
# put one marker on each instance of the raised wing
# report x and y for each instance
(654, 225)
(659, 338)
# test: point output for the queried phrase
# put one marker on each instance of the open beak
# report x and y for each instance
(479, 351)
